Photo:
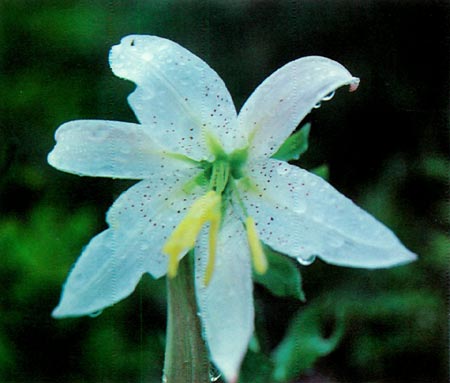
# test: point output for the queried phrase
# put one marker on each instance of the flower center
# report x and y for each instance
(220, 174)
(208, 209)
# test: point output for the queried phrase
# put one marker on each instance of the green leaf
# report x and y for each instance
(305, 341)
(295, 145)
(41, 250)
(256, 368)
(435, 167)
(322, 171)
(282, 278)
(7, 356)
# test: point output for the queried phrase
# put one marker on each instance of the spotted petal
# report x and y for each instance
(226, 304)
(111, 265)
(99, 278)
(301, 215)
(277, 106)
(179, 98)
(110, 149)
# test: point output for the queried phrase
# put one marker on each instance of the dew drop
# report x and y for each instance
(318, 105)
(335, 242)
(147, 56)
(164, 379)
(95, 314)
(144, 247)
(299, 206)
(329, 96)
(148, 94)
(306, 261)
(161, 48)
(98, 135)
(214, 374)
(80, 278)
(282, 170)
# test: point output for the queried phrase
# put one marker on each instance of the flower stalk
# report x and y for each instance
(186, 358)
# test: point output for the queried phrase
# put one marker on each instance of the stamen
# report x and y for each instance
(258, 257)
(205, 209)
(213, 233)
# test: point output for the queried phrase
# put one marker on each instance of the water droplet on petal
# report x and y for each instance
(148, 96)
(299, 206)
(283, 170)
(80, 278)
(318, 105)
(214, 374)
(306, 261)
(144, 246)
(161, 47)
(147, 56)
(329, 96)
(335, 241)
(98, 135)
(95, 314)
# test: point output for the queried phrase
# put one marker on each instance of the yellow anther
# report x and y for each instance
(213, 233)
(203, 210)
(258, 257)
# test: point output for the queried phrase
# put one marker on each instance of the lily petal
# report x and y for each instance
(146, 214)
(110, 267)
(110, 149)
(179, 98)
(226, 303)
(301, 215)
(99, 278)
(278, 105)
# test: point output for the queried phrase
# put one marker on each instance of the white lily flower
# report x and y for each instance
(208, 182)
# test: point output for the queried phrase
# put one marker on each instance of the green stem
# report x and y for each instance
(186, 358)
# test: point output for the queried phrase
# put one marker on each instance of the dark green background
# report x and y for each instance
(386, 146)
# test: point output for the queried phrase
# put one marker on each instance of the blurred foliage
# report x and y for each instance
(295, 145)
(306, 341)
(386, 146)
(282, 278)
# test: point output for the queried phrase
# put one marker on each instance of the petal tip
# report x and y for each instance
(354, 84)
(404, 257)
(50, 157)
(410, 257)
(230, 376)
(57, 313)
